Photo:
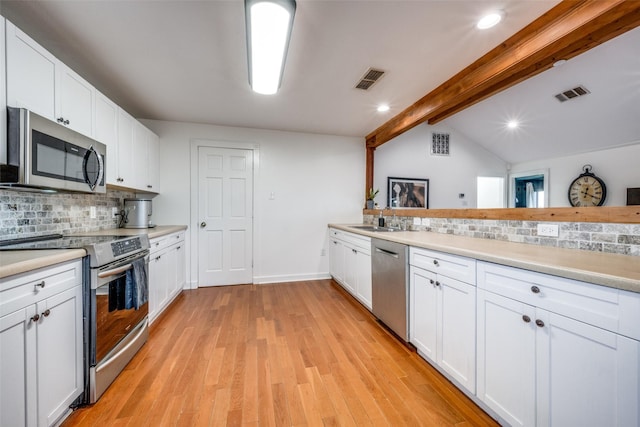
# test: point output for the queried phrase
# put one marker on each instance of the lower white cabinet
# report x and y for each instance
(41, 353)
(442, 320)
(537, 367)
(167, 272)
(350, 263)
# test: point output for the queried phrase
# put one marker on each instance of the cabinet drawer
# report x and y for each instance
(158, 244)
(453, 266)
(176, 238)
(363, 243)
(21, 290)
(593, 304)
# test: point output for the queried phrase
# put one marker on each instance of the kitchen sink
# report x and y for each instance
(374, 228)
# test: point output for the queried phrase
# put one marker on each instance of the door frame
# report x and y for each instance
(196, 143)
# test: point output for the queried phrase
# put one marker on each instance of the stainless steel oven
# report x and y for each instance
(118, 327)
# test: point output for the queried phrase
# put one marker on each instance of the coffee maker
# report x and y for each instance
(137, 213)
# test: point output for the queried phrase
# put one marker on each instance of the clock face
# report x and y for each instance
(587, 190)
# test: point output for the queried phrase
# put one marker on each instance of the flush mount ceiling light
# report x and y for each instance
(382, 108)
(513, 124)
(490, 20)
(269, 24)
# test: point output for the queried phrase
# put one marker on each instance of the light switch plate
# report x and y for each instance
(548, 230)
(92, 212)
(416, 221)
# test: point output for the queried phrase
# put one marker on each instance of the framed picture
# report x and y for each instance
(408, 193)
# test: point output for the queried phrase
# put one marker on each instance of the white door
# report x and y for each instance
(225, 215)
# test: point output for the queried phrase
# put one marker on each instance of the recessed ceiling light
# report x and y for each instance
(490, 20)
(382, 108)
(513, 124)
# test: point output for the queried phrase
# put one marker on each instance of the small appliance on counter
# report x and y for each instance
(137, 213)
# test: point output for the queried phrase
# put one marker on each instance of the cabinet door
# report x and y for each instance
(125, 149)
(506, 357)
(60, 357)
(457, 330)
(141, 155)
(363, 280)
(336, 259)
(586, 376)
(350, 269)
(423, 312)
(153, 172)
(172, 271)
(106, 131)
(75, 101)
(181, 261)
(31, 74)
(3, 92)
(18, 401)
(158, 279)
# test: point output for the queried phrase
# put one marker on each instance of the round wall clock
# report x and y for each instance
(587, 189)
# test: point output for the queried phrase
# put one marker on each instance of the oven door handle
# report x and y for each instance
(115, 271)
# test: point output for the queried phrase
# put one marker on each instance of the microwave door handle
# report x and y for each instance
(115, 271)
(100, 168)
(93, 184)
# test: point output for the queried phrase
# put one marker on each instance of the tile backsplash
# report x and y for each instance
(28, 214)
(600, 237)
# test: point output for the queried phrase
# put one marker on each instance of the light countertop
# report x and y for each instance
(612, 270)
(16, 262)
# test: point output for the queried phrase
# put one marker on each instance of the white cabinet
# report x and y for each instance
(442, 319)
(167, 272)
(350, 263)
(41, 353)
(106, 131)
(145, 151)
(125, 163)
(31, 74)
(37, 80)
(74, 101)
(555, 351)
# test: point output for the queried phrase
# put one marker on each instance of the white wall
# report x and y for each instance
(618, 167)
(408, 156)
(316, 179)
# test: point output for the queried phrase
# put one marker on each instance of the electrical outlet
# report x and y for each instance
(114, 212)
(549, 230)
(92, 212)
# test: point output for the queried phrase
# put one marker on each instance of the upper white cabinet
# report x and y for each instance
(442, 319)
(145, 151)
(153, 170)
(106, 131)
(124, 167)
(75, 101)
(554, 351)
(31, 74)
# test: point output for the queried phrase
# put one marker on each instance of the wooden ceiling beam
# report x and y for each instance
(567, 30)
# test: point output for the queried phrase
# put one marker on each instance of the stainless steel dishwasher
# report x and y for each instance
(390, 285)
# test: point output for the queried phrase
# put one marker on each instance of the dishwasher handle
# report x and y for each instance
(386, 252)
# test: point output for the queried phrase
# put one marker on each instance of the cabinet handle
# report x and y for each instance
(433, 282)
(526, 318)
(66, 122)
(35, 317)
(149, 186)
(437, 283)
(178, 248)
(435, 262)
(46, 313)
(40, 285)
(540, 323)
(60, 119)
(535, 289)
(158, 257)
(354, 251)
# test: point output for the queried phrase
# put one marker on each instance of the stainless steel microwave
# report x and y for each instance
(42, 154)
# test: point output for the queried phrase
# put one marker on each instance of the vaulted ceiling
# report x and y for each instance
(186, 61)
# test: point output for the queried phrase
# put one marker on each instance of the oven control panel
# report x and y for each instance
(122, 247)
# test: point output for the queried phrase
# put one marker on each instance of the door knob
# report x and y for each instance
(203, 224)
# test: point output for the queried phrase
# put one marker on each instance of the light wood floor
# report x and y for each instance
(289, 354)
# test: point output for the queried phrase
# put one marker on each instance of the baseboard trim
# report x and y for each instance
(260, 280)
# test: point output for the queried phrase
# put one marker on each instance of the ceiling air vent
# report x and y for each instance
(440, 144)
(572, 93)
(369, 79)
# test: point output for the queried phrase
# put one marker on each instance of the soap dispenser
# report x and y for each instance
(380, 220)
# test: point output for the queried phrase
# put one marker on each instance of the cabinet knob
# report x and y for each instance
(526, 318)
(354, 251)
(437, 283)
(40, 285)
(46, 313)
(149, 186)
(66, 122)
(535, 289)
(435, 262)
(60, 119)
(35, 317)
(433, 282)
(178, 248)
(540, 323)
(158, 257)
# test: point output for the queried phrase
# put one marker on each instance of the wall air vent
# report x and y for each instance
(369, 79)
(572, 93)
(440, 144)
